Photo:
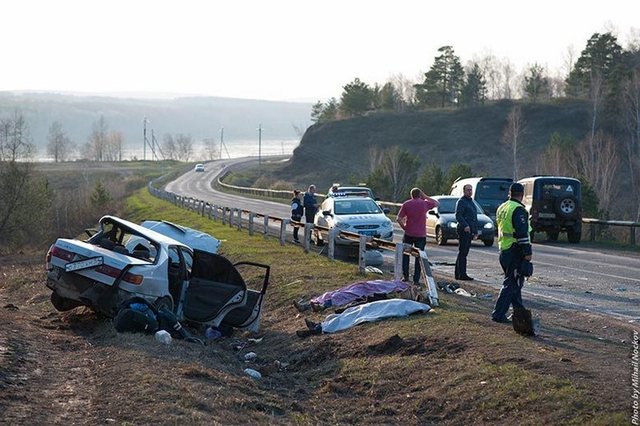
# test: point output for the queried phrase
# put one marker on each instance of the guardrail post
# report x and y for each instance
(332, 243)
(203, 206)
(265, 230)
(283, 230)
(231, 217)
(223, 213)
(632, 235)
(239, 219)
(592, 231)
(362, 248)
(215, 212)
(308, 228)
(397, 264)
(427, 276)
(252, 215)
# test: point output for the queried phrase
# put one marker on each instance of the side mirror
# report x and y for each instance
(326, 213)
(433, 213)
(385, 210)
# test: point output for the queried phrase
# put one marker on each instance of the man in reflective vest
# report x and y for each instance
(513, 240)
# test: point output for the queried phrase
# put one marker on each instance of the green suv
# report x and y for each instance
(554, 206)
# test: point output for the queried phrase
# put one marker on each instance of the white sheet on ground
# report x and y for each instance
(373, 311)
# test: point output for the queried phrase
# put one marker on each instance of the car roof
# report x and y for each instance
(148, 233)
(551, 177)
(190, 237)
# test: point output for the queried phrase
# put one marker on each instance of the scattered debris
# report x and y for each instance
(250, 356)
(163, 336)
(255, 340)
(373, 270)
(487, 296)
(463, 292)
(252, 373)
(621, 289)
(11, 307)
(563, 359)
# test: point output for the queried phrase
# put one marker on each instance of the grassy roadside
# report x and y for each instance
(450, 366)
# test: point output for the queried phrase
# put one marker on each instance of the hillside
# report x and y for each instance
(337, 151)
(200, 117)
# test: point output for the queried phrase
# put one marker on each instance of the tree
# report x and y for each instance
(184, 146)
(474, 91)
(100, 197)
(558, 155)
(599, 59)
(321, 113)
(455, 171)
(15, 140)
(96, 145)
(395, 174)
(211, 149)
(443, 82)
(631, 120)
(113, 146)
(357, 98)
(59, 145)
(389, 99)
(512, 133)
(432, 180)
(536, 83)
(169, 147)
(404, 87)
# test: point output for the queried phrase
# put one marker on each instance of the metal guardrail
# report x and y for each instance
(235, 217)
(395, 207)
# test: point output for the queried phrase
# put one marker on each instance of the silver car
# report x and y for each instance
(360, 215)
(168, 265)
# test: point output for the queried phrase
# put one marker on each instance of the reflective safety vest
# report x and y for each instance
(504, 220)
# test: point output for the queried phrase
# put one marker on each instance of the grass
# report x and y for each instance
(451, 365)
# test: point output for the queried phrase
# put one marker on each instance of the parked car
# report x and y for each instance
(338, 190)
(489, 192)
(357, 214)
(199, 167)
(554, 206)
(442, 224)
(166, 264)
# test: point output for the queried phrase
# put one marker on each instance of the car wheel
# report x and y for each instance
(552, 236)
(63, 304)
(488, 243)
(574, 234)
(440, 239)
(566, 206)
(164, 302)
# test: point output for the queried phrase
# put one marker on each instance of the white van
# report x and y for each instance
(489, 192)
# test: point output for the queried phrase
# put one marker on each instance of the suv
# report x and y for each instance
(554, 206)
(489, 192)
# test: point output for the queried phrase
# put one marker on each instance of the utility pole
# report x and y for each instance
(144, 141)
(259, 146)
(221, 141)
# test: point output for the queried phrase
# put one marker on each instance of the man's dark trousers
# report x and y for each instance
(418, 242)
(464, 244)
(511, 292)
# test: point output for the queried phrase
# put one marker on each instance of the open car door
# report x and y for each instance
(217, 294)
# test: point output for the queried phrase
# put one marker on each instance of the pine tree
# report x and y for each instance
(443, 83)
(474, 91)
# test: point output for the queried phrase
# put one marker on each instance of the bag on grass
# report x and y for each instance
(523, 322)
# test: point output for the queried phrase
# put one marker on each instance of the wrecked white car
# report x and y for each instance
(167, 264)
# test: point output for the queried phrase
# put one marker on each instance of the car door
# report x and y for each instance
(432, 219)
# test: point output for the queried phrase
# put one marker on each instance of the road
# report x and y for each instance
(578, 276)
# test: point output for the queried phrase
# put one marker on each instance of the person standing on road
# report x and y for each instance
(513, 240)
(412, 218)
(467, 218)
(297, 208)
(310, 204)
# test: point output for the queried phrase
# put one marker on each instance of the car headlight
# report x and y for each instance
(342, 225)
(488, 225)
(453, 225)
(386, 225)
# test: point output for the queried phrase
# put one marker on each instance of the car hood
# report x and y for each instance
(451, 217)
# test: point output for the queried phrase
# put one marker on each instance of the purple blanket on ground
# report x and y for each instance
(348, 294)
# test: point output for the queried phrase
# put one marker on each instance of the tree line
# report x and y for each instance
(605, 75)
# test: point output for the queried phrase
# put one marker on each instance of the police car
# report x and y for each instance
(357, 214)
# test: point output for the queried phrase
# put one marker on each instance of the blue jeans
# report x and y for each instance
(464, 244)
(418, 242)
(511, 292)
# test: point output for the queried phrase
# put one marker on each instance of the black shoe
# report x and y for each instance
(313, 327)
(465, 278)
(405, 277)
(296, 241)
(503, 320)
(301, 306)
(303, 333)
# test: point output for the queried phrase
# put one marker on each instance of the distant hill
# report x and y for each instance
(201, 117)
(337, 151)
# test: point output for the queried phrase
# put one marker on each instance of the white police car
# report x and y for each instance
(360, 215)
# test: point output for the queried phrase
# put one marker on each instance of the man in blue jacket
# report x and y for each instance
(467, 218)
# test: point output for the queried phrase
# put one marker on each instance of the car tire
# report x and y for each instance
(566, 206)
(574, 234)
(488, 243)
(163, 302)
(552, 236)
(63, 304)
(440, 239)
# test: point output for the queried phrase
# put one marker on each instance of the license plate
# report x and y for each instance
(367, 232)
(547, 215)
(83, 264)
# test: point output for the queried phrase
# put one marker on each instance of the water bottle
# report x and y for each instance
(163, 336)
(253, 373)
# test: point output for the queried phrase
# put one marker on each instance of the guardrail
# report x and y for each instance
(235, 217)
(594, 224)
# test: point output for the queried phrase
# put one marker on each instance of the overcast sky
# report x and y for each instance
(280, 50)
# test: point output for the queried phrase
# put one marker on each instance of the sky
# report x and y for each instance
(280, 49)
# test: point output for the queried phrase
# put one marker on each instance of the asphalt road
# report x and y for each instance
(578, 276)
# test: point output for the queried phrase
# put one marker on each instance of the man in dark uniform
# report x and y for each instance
(467, 218)
(513, 240)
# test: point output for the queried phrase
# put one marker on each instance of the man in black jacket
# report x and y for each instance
(467, 218)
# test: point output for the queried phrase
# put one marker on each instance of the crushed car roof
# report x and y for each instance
(190, 237)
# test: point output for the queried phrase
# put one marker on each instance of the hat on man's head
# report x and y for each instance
(516, 188)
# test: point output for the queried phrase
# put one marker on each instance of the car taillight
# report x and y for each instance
(60, 253)
(134, 279)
